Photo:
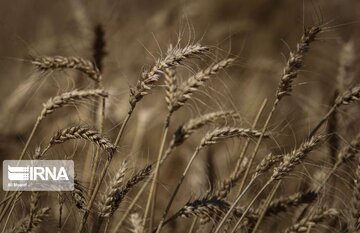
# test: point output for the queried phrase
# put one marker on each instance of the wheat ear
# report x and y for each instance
(113, 188)
(81, 132)
(282, 204)
(113, 202)
(186, 89)
(78, 195)
(47, 63)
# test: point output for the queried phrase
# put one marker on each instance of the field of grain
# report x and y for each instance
(184, 115)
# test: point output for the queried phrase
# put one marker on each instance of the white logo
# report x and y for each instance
(37, 173)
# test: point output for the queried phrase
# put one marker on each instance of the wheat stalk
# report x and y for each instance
(354, 220)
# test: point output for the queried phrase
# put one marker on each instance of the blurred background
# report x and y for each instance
(259, 33)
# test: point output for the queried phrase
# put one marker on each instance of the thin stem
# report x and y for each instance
(121, 131)
(177, 188)
(127, 212)
(150, 205)
(249, 206)
(8, 204)
(60, 216)
(247, 143)
(257, 146)
(12, 208)
(193, 224)
(92, 199)
(30, 137)
(100, 124)
(267, 203)
(323, 120)
(232, 207)
(318, 189)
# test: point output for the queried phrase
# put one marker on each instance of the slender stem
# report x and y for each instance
(193, 224)
(267, 203)
(106, 225)
(8, 204)
(7, 198)
(100, 124)
(127, 212)
(249, 206)
(257, 146)
(232, 207)
(177, 189)
(318, 189)
(150, 205)
(138, 195)
(30, 137)
(121, 131)
(246, 145)
(92, 199)
(309, 228)
(12, 208)
(323, 120)
(60, 213)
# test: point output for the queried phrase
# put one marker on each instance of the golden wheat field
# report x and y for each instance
(183, 115)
